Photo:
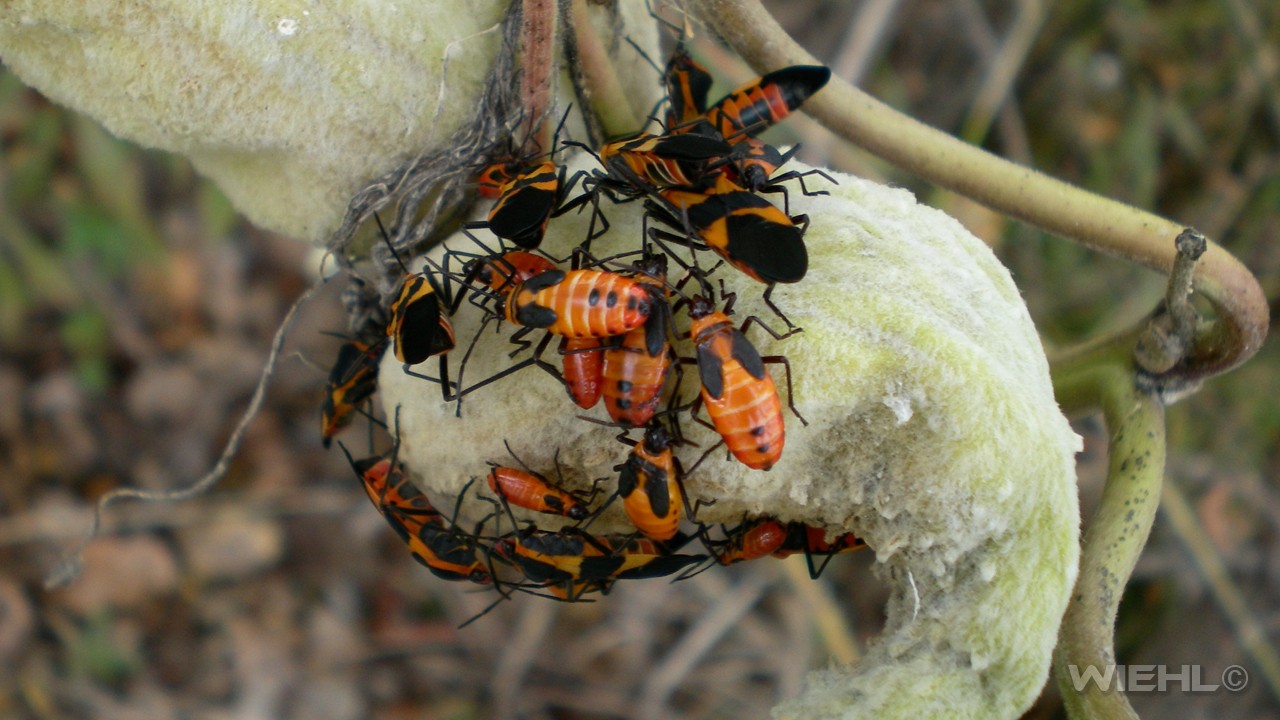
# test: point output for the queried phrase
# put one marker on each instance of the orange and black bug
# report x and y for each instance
(579, 303)
(527, 195)
(525, 204)
(578, 562)
(687, 85)
(746, 230)
(499, 272)
(633, 378)
(649, 485)
(812, 541)
(583, 369)
(552, 560)
(752, 166)
(445, 551)
(529, 490)
(752, 108)
(736, 386)
(353, 379)
(420, 327)
(751, 540)
(636, 365)
(419, 320)
(503, 273)
(491, 180)
(638, 165)
(663, 161)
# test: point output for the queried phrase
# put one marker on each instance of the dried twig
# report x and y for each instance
(70, 566)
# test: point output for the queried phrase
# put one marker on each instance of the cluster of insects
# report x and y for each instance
(702, 181)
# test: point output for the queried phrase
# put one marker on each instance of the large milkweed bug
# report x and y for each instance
(663, 161)
(492, 179)
(527, 195)
(529, 490)
(502, 273)
(525, 204)
(579, 303)
(759, 104)
(532, 491)
(578, 562)
(751, 540)
(637, 165)
(745, 229)
(353, 379)
(812, 541)
(687, 85)
(583, 360)
(444, 550)
(752, 165)
(737, 389)
(686, 82)
(649, 484)
(633, 379)
(418, 322)
(636, 365)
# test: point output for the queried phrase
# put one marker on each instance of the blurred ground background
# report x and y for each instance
(136, 309)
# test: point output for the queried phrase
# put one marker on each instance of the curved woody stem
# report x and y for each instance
(1127, 375)
(1057, 207)
(1084, 660)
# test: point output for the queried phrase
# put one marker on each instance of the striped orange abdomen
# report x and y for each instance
(739, 392)
(579, 303)
(633, 379)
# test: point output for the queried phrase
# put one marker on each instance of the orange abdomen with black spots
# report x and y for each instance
(633, 379)
(579, 303)
(738, 391)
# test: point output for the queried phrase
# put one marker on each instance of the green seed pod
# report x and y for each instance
(933, 434)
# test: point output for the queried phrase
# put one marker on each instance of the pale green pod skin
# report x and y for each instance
(933, 431)
(291, 107)
(933, 434)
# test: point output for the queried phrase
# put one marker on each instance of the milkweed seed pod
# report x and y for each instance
(932, 434)
(289, 108)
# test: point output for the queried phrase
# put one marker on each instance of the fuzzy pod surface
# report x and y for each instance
(289, 106)
(933, 434)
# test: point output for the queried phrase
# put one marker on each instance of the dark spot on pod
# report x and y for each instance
(624, 386)
(762, 449)
(757, 430)
(624, 403)
(593, 297)
(611, 299)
